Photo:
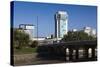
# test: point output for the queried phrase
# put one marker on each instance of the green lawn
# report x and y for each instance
(25, 50)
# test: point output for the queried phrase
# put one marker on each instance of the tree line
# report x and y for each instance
(22, 39)
(78, 35)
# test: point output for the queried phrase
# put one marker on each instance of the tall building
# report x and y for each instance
(28, 28)
(61, 22)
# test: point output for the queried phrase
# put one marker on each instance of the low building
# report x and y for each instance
(90, 31)
(28, 28)
(74, 30)
(45, 41)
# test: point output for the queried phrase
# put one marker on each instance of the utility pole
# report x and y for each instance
(37, 28)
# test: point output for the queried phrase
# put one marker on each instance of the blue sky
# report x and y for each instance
(79, 16)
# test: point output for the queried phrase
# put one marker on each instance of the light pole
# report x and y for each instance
(37, 28)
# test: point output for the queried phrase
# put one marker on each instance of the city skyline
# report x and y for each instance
(79, 16)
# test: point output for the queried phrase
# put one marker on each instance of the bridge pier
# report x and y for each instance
(70, 54)
(77, 53)
(93, 52)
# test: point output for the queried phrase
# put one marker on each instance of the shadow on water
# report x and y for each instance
(51, 52)
(48, 53)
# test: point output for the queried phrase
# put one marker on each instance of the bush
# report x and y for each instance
(34, 44)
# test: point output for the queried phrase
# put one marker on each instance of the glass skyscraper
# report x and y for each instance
(61, 24)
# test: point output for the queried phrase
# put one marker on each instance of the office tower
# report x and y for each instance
(61, 24)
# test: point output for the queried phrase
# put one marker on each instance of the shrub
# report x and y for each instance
(34, 44)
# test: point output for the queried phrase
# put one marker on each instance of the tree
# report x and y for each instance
(20, 38)
(78, 35)
(34, 44)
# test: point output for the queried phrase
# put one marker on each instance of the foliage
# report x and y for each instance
(34, 44)
(79, 35)
(20, 38)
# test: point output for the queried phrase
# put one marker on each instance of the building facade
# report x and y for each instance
(61, 24)
(28, 28)
(90, 31)
(87, 30)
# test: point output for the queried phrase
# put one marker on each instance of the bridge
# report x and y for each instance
(70, 51)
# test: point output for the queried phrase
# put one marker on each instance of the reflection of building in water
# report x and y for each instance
(61, 22)
(29, 29)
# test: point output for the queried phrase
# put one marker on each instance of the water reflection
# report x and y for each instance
(81, 54)
(90, 52)
(67, 51)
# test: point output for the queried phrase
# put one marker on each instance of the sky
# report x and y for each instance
(79, 16)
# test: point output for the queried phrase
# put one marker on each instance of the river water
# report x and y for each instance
(61, 59)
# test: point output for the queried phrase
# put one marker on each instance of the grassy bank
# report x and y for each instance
(25, 50)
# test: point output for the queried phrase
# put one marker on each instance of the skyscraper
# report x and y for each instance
(61, 22)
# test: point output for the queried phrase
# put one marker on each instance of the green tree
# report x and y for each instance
(78, 35)
(20, 38)
(34, 44)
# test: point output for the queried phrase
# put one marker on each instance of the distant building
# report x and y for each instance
(39, 38)
(87, 30)
(61, 24)
(74, 30)
(45, 41)
(93, 33)
(50, 36)
(90, 31)
(28, 28)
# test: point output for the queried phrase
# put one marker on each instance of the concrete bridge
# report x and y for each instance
(71, 51)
